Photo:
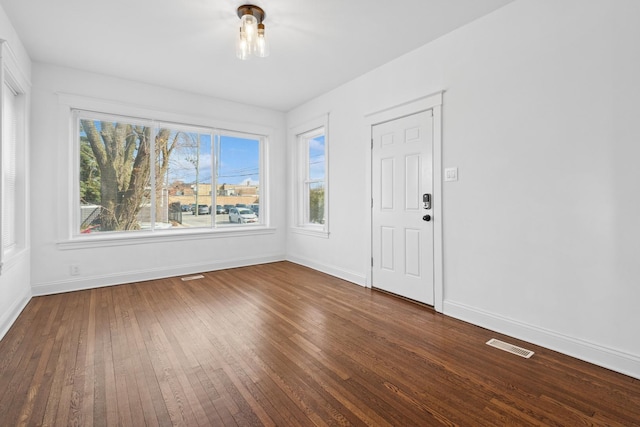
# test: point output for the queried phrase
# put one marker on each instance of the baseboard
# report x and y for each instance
(609, 358)
(349, 276)
(9, 317)
(81, 283)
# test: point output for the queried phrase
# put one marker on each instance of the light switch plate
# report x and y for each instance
(451, 174)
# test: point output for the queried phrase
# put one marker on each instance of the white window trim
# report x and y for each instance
(68, 238)
(300, 161)
(9, 157)
(144, 237)
(11, 75)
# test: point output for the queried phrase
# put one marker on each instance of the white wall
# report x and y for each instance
(541, 232)
(105, 265)
(15, 291)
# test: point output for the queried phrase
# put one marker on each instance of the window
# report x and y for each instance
(312, 193)
(314, 177)
(9, 172)
(13, 159)
(138, 175)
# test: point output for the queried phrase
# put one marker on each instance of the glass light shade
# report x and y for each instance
(262, 47)
(243, 48)
(249, 26)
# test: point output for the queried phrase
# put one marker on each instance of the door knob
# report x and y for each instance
(426, 218)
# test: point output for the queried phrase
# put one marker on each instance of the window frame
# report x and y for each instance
(301, 135)
(12, 79)
(8, 154)
(69, 233)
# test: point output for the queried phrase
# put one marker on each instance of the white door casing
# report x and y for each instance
(432, 102)
(402, 231)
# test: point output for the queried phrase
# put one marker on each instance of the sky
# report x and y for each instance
(238, 163)
(239, 160)
(316, 158)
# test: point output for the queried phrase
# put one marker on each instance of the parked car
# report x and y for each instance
(221, 210)
(186, 208)
(202, 210)
(242, 215)
(241, 205)
(255, 207)
(228, 207)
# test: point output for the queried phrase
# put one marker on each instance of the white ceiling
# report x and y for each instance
(316, 45)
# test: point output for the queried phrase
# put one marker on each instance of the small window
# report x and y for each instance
(14, 192)
(312, 178)
(9, 173)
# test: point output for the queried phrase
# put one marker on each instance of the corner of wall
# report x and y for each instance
(15, 290)
(349, 276)
(9, 317)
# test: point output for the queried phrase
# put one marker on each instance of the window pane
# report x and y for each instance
(316, 158)
(316, 203)
(183, 179)
(114, 175)
(238, 179)
(313, 175)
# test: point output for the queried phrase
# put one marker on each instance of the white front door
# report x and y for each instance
(402, 229)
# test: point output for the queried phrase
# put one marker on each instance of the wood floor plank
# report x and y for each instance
(89, 364)
(69, 335)
(27, 408)
(55, 330)
(102, 346)
(280, 344)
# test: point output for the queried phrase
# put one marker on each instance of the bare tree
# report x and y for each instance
(122, 152)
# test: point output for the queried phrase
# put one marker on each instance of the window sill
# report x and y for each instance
(146, 237)
(309, 231)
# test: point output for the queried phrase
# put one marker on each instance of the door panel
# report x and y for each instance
(412, 251)
(387, 245)
(402, 169)
(412, 182)
(387, 188)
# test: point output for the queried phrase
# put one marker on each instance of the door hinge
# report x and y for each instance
(372, 202)
(371, 261)
(372, 143)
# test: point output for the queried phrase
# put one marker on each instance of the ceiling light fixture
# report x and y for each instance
(251, 40)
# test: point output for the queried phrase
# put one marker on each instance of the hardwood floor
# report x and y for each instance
(280, 344)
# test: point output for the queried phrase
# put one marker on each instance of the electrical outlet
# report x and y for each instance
(74, 269)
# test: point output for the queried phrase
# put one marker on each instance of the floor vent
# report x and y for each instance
(196, 277)
(510, 348)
